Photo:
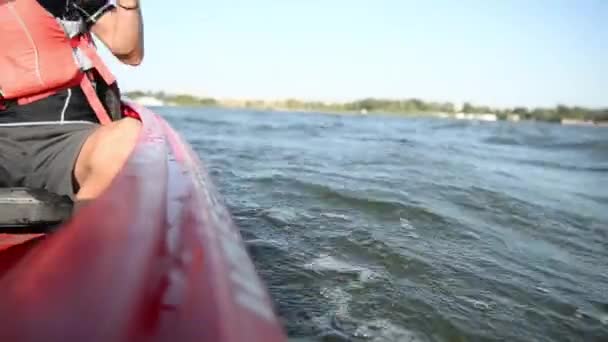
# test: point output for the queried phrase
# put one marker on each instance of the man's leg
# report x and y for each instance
(12, 157)
(102, 156)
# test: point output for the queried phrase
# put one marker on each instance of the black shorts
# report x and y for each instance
(42, 156)
(40, 142)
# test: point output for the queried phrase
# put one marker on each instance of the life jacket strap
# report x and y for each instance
(94, 101)
(86, 44)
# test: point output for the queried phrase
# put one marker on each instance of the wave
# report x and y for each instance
(377, 202)
(595, 145)
(330, 215)
(201, 120)
(501, 140)
(397, 140)
(385, 330)
(364, 246)
(328, 263)
(302, 128)
(548, 142)
(452, 124)
(603, 200)
(599, 167)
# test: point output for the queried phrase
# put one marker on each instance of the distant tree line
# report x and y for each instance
(407, 106)
(178, 99)
(418, 106)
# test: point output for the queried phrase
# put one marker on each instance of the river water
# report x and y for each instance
(379, 228)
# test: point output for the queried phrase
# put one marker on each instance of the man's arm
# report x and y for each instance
(121, 30)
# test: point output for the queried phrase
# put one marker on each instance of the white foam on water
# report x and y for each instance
(336, 216)
(412, 235)
(329, 263)
(477, 304)
(372, 330)
(385, 330)
(406, 224)
(339, 298)
(593, 314)
(267, 243)
(409, 227)
(282, 215)
(472, 235)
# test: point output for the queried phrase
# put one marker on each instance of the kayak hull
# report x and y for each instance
(156, 257)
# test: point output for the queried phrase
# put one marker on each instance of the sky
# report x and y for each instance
(499, 53)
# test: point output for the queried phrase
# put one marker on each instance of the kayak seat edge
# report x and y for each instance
(23, 210)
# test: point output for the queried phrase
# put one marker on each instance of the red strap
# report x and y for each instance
(86, 45)
(89, 92)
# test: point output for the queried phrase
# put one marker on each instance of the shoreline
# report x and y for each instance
(567, 116)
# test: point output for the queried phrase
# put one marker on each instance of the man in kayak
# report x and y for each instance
(60, 124)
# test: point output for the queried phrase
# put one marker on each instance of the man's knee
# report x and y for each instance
(114, 144)
(104, 155)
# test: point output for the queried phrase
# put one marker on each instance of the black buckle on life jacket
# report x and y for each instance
(5, 104)
(8, 103)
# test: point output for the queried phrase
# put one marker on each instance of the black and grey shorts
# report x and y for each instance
(40, 142)
(42, 157)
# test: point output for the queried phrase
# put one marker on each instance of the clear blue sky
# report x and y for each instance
(500, 53)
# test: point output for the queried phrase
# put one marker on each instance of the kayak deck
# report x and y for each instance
(23, 209)
(157, 257)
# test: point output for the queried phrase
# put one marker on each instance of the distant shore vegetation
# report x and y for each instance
(559, 113)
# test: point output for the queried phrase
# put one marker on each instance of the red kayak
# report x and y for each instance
(156, 258)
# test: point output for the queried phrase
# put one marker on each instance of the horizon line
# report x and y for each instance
(356, 99)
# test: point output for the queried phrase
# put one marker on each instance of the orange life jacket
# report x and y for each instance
(41, 55)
